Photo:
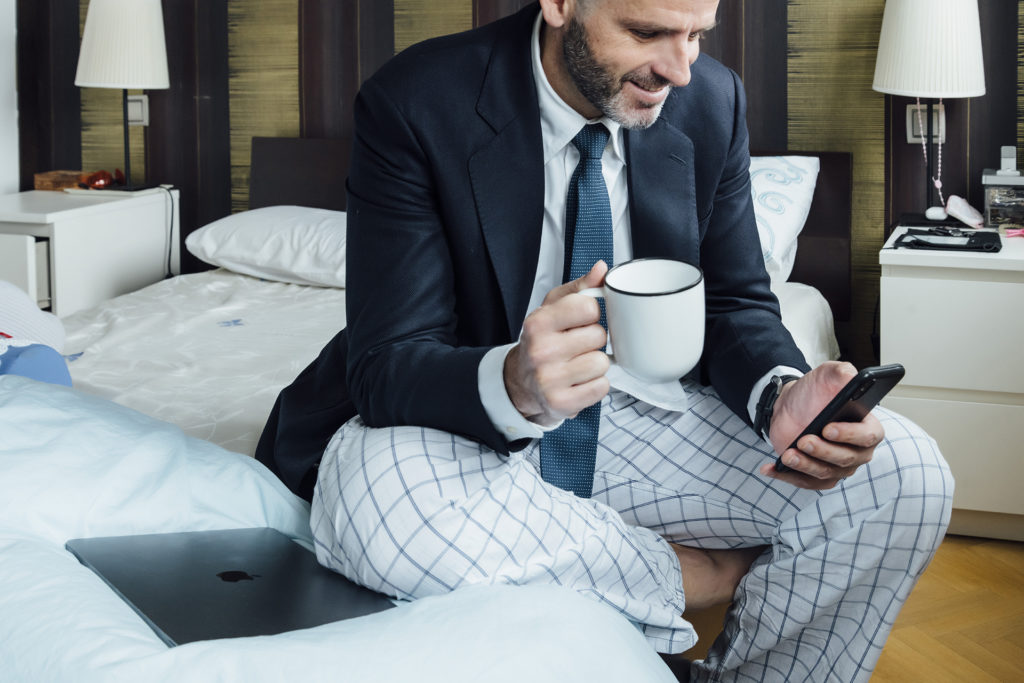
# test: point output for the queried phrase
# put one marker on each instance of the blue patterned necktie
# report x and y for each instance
(567, 454)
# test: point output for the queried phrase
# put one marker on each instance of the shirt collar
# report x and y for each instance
(559, 123)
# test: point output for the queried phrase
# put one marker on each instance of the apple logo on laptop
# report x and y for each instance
(236, 575)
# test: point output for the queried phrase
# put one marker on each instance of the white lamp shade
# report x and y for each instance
(930, 48)
(123, 46)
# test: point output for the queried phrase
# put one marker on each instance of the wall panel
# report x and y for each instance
(263, 67)
(832, 107)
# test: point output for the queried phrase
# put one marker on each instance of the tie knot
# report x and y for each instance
(591, 140)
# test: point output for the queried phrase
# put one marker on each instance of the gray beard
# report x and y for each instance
(601, 88)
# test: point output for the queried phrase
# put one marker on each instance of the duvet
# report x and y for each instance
(74, 465)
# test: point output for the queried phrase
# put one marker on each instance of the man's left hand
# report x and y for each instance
(819, 462)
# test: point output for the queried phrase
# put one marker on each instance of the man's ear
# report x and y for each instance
(557, 12)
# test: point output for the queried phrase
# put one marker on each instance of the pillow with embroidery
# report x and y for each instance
(782, 188)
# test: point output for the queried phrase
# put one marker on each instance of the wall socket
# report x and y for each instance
(914, 131)
(138, 110)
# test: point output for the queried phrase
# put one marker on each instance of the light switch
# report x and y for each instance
(138, 110)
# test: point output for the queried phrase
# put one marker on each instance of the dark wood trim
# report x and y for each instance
(725, 42)
(49, 103)
(341, 44)
(993, 121)
(188, 140)
(750, 39)
(328, 67)
(765, 72)
(376, 35)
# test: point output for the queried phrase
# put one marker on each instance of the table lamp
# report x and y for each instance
(123, 47)
(930, 49)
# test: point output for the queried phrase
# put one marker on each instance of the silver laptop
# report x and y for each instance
(201, 585)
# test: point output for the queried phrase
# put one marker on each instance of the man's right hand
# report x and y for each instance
(558, 367)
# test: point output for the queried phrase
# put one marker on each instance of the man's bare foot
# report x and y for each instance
(710, 577)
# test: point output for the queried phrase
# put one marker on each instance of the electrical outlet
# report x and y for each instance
(915, 133)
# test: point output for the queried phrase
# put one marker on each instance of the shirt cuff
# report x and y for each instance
(498, 406)
(755, 393)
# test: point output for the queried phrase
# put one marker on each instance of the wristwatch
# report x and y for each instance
(766, 404)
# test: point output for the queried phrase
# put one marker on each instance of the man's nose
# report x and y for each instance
(676, 60)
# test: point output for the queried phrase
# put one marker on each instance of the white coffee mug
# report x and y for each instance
(655, 312)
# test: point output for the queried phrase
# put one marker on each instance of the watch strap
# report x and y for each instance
(766, 404)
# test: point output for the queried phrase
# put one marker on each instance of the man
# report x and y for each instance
(466, 349)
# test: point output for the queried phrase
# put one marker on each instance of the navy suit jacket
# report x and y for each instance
(445, 207)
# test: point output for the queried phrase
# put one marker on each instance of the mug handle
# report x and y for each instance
(598, 293)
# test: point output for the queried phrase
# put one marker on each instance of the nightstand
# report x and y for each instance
(70, 250)
(956, 321)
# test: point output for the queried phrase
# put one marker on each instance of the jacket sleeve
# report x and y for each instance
(745, 337)
(405, 365)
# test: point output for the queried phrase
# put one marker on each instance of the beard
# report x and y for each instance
(602, 88)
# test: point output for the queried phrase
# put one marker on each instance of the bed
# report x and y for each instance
(210, 351)
(171, 387)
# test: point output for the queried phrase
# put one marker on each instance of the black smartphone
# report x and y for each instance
(854, 401)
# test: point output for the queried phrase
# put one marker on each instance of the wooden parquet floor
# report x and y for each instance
(964, 621)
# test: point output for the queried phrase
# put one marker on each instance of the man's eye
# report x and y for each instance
(643, 35)
(699, 35)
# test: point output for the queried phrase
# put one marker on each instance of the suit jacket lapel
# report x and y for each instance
(507, 174)
(662, 193)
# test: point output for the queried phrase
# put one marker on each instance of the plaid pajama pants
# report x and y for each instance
(412, 512)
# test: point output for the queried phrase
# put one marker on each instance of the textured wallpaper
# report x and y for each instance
(263, 81)
(832, 48)
(417, 20)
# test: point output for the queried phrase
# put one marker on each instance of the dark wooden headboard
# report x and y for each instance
(823, 255)
(298, 171)
(311, 172)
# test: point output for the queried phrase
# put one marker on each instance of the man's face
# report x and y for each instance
(623, 56)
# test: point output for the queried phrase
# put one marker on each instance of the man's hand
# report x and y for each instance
(557, 369)
(819, 463)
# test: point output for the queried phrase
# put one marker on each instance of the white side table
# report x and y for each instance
(956, 321)
(72, 251)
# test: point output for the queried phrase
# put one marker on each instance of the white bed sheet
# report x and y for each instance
(76, 465)
(208, 351)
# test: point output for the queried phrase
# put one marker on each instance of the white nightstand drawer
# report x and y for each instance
(954, 332)
(982, 444)
(71, 251)
(25, 263)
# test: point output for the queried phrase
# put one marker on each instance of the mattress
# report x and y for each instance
(210, 351)
(207, 351)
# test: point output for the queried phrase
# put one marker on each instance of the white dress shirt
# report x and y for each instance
(560, 123)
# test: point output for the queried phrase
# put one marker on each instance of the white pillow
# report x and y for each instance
(782, 188)
(295, 244)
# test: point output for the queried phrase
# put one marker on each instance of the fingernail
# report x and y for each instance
(808, 448)
(831, 433)
(791, 460)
